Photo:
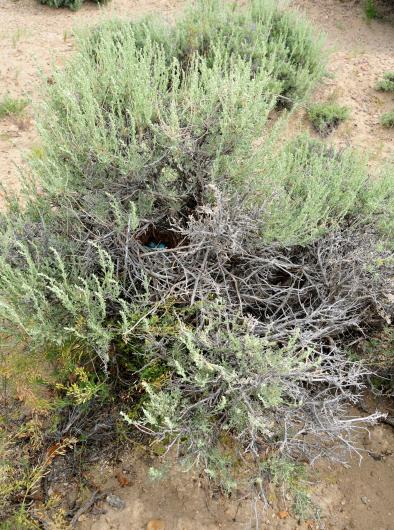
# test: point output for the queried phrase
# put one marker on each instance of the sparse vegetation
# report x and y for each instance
(386, 84)
(12, 106)
(173, 249)
(326, 116)
(387, 119)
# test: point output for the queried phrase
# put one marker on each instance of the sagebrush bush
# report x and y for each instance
(386, 84)
(387, 119)
(265, 35)
(226, 379)
(171, 240)
(160, 141)
(268, 37)
(307, 189)
(326, 116)
(74, 5)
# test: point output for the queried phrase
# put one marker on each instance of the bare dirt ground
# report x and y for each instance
(360, 52)
(359, 497)
(32, 38)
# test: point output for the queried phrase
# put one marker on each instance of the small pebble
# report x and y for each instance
(115, 502)
(364, 499)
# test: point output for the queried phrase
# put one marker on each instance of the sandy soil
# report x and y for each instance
(359, 497)
(32, 38)
(360, 52)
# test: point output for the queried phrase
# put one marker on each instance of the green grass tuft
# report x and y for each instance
(11, 106)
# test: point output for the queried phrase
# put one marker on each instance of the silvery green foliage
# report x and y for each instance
(146, 113)
(228, 378)
(169, 224)
(134, 117)
(49, 305)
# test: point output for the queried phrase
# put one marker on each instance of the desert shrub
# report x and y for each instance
(265, 35)
(74, 5)
(387, 119)
(159, 143)
(229, 380)
(86, 97)
(10, 106)
(326, 116)
(171, 241)
(386, 84)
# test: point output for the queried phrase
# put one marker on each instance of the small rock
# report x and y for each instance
(115, 502)
(364, 499)
(155, 524)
